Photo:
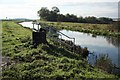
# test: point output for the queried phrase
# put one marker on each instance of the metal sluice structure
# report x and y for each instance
(53, 34)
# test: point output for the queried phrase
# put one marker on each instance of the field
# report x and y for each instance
(44, 62)
(95, 29)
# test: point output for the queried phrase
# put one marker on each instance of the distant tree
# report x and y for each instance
(91, 19)
(43, 13)
(61, 18)
(71, 18)
(105, 20)
(54, 15)
(55, 9)
(74, 18)
(81, 19)
(67, 16)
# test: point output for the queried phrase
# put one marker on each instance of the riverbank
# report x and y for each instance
(95, 29)
(43, 62)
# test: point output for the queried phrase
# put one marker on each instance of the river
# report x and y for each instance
(97, 45)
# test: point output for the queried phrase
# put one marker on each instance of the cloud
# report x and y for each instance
(108, 9)
(12, 2)
(50, 3)
(29, 8)
(18, 11)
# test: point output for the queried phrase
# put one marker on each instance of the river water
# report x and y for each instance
(97, 45)
(29, 25)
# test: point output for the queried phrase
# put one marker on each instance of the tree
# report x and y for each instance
(55, 9)
(105, 20)
(71, 18)
(43, 13)
(74, 18)
(61, 17)
(91, 19)
(54, 15)
(81, 19)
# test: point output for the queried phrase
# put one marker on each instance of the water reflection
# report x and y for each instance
(97, 45)
(114, 41)
(29, 25)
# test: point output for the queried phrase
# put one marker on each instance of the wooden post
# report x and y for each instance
(73, 45)
(38, 27)
(33, 25)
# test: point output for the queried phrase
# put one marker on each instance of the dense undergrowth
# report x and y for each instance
(95, 29)
(46, 62)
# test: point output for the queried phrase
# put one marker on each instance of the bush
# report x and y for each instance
(104, 63)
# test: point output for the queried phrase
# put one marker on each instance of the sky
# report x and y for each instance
(28, 8)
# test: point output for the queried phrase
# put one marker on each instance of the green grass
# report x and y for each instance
(44, 62)
(96, 29)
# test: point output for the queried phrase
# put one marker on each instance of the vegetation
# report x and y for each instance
(45, 14)
(96, 26)
(18, 20)
(54, 15)
(104, 63)
(95, 29)
(44, 62)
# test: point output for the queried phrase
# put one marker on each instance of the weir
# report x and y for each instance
(39, 35)
(44, 31)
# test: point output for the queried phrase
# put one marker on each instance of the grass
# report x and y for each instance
(96, 29)
(46, 62)
(13, 34)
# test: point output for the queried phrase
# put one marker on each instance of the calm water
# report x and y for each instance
(96, 45)
(28, 24)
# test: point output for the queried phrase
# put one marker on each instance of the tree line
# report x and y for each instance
(54, 15)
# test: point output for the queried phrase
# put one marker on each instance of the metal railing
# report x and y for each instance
(58, 33)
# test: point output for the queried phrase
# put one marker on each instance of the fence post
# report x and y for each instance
(74, 45)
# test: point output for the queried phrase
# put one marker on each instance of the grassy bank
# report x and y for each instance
(96, 29)
(44, 62)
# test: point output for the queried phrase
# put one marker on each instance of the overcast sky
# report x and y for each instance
(29, 8)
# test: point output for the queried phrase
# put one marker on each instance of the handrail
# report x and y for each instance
(61, 41)
(60, 33)
(38, 23)
(65, 35)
